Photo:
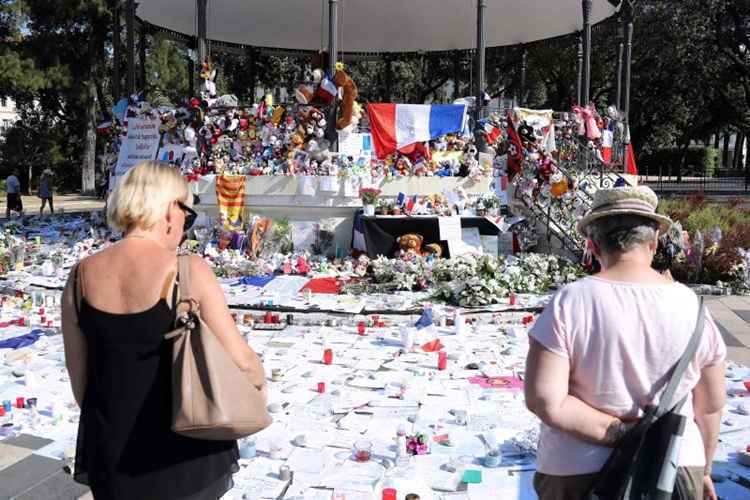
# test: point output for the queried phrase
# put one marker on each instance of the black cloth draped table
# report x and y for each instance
(382, 231)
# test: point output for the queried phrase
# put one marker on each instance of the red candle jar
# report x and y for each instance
(361, 328)
(442, 360)
(389, 494)
(21, 321)
(512, 299)
(41, 311)
(268, 318)
(20, 403)
(328, 356)
(2, 411)
(49, 324)
(43, 319)
(321, 387)
(746, 383)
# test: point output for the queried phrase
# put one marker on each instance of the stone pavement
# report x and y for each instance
(67, 202)
(732, 316)
(25, 476)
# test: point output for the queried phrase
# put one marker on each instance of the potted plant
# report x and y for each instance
(369, 197)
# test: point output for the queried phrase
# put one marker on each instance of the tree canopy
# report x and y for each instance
(690, 76)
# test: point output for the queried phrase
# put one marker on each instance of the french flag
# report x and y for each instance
(396, 126)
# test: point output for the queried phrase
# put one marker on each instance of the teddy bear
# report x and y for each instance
(343, 83)
(432, 251)
(410, 245)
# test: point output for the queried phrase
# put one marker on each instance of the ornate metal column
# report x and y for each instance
(191, 76)
(116, 52)
(628, 13)
(142, 51)
(522, 93)
(202, 47)
(620, 48)
(333, 35)
(130, 40)
(480, 62)
(579, 86)
(586, 4)
(333, 52)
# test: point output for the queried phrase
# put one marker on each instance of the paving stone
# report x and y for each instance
(736, 301)
(742, 313)
(11, 454)
(59, 486)
(739, 355)
(27, 441)
(26, 474)
(729, 339)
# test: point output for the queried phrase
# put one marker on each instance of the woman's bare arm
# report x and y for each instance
(546, 394)
(74, 341)
(215, 313)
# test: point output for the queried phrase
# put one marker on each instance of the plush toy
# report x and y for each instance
(410, 245)
(432, 250)
(208, 89)
(343, 83)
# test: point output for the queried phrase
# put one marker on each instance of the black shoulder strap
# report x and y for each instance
(77, 289)
(665, 401)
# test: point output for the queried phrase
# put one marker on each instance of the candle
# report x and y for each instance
(328, 356)
(512, 299)
(21, 321)
(321, 387)
(361, 328)
(442, 360)
(20, 403)
(389, 494)
(7, 405)
(285, 473)
(268, 317)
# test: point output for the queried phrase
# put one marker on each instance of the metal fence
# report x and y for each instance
(697, 180)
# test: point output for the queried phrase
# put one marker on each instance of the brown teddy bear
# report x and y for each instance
(410, 244)
(343, 81)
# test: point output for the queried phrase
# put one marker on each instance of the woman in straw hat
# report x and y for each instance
(599, 352)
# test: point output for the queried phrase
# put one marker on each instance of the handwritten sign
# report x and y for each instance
(141, 143)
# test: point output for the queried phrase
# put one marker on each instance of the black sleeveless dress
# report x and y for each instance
(126, 448)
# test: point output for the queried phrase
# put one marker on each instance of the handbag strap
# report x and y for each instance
(665, 401)
(183, 266)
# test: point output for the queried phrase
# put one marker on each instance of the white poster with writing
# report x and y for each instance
(141, 143)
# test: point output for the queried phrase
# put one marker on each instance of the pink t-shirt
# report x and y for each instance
(621, 338)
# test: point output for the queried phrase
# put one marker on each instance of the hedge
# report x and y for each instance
(701, 161)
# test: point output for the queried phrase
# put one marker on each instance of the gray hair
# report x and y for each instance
(622, 233)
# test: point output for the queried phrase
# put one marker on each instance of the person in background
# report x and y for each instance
(117, 308)
(13, 191)
(600, 350)
(45, 191)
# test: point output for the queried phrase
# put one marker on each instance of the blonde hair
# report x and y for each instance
(142, 196)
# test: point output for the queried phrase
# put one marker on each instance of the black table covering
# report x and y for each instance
(381, 232)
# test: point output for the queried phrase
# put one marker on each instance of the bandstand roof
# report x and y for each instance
(374, 26)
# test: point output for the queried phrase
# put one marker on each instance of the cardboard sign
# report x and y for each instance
(355, 144)
(141, 143)
(171, 153)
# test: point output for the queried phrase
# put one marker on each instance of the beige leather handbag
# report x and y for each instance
(211, 397)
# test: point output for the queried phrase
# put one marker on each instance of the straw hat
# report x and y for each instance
(628, 200)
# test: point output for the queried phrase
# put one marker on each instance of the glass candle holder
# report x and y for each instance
(362, 451)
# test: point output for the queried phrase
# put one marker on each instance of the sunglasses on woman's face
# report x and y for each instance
(190, 215)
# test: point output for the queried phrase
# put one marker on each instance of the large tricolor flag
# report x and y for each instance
(396, 126)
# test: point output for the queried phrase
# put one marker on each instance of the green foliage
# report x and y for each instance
(166, 70)
(699, 160)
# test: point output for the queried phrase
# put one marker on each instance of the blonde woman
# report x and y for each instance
(116, 309)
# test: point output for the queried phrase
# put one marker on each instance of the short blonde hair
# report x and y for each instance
(142, 196)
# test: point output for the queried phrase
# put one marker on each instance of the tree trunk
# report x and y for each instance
(88, 167)
(725, 152)
(738, 151)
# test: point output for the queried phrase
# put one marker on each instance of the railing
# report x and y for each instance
(697, 180)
